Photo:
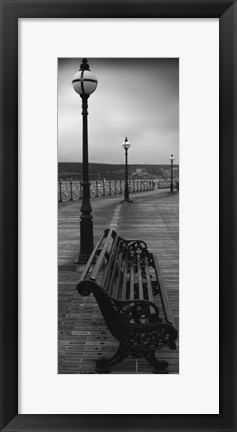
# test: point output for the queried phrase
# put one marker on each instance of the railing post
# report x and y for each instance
(71, 199)
(120, 186)
(110, 187)
(60, 191)
(80, 190)
(77, 194)
(103, 193)
(96, 189)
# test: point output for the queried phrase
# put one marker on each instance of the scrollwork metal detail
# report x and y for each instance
(138, 312)
(75, 191)
(135, 247)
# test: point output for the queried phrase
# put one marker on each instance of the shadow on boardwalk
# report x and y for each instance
(83, 336)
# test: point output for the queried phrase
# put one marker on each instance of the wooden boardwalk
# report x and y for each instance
(83, 336)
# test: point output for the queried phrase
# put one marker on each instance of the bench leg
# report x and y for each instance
(103, 364)
(160, 365)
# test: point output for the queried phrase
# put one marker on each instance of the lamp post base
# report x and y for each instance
(86, 239)
(82, 259)
(126, 200)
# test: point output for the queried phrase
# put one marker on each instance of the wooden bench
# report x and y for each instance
(126, 281)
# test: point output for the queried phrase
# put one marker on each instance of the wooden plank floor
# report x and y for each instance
(83, 336)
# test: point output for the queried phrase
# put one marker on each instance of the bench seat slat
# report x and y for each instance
(132, 279)
(107, 272)
(148, 280)
(125, 269)
(101, 256)
(115, 269)
(89, 262)
(139, 274)
(116, 286)
(164, 295)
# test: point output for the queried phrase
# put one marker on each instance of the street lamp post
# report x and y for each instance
(85, 83)
(126, 146)
(171, 180)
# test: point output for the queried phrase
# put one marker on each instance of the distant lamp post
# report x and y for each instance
(126, 146)
(84, 83)
(171, 180)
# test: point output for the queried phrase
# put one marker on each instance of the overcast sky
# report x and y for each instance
(137, 98)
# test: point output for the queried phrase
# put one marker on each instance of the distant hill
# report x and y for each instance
(100, 171)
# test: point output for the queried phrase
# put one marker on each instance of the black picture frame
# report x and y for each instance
(226, 11)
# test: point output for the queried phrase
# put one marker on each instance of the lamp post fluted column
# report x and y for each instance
(126, 192)
(171, 179)
(126, 146)
(86, 222)
(85, 83)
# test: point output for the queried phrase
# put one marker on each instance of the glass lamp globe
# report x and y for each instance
(171, 158)
(126, 144)
(84, 81)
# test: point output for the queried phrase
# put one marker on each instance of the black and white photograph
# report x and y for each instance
(118, 215)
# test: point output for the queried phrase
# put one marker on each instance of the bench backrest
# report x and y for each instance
(127, 271)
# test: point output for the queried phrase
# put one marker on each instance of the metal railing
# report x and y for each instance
(163, 184)
(72, 190)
